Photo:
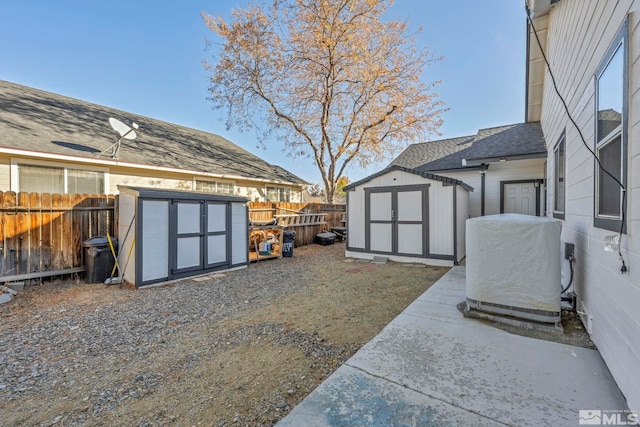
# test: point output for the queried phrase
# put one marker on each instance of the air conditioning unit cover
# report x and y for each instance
(513, 266)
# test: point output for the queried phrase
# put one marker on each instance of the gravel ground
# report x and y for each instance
(240, 348)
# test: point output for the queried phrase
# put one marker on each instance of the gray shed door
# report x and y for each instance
(217, 243)
(397, 220)
(201, 235)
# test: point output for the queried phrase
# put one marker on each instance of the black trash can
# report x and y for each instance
(98, 259)
(287, 243)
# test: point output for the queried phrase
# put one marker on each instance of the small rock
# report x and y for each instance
(290, 391)
(139, 378)
(282, 405)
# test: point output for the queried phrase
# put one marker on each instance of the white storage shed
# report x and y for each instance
(169, 234)
(409, 216)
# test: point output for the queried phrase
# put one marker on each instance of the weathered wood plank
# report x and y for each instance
(44, 232)
(57, 262)
(46, 245)
(10, 228)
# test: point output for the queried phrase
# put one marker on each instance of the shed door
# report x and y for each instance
(396, 220)
(189, 236)
(216, 242)
(201, 235)
(520, 198)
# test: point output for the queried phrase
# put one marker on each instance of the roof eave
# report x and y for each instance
(498, 159)
(114, 162)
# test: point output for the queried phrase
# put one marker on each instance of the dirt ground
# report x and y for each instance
(250, 368)
(236, 349)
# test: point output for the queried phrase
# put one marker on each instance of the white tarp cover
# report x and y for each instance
(514, 260)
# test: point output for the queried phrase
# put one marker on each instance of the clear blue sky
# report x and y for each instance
(146, 57)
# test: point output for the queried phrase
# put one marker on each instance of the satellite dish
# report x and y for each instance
(124, 131)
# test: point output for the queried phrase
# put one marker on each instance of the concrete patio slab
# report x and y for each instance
(351, 398)
(432, 366)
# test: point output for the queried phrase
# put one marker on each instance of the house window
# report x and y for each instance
(51, 179)
(611, 136)
(278, 194)
(559, 168)
(215, 187)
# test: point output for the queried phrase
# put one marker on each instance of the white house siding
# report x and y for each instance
(154, 179)
(5, 174)
(514, 170)
(176, 181)
(133, 177)
(580, 32)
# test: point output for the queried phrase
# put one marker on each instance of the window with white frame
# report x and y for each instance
(278, 194)
(215, 187)
(559, 168)
(36, 178)
(611, 135)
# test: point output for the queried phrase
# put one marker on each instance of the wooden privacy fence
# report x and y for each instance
(42, 234)
(306, 219)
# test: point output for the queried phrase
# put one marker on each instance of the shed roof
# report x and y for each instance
(161, 193)
(40, 121)
(523, 140)
(423, 174)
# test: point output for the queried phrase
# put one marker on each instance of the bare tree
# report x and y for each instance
(330, 78)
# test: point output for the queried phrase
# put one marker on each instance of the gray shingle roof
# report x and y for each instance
(518, 140)
(32, 119)
(417, 155)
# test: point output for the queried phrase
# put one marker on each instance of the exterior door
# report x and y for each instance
(396, 220)
(520, 197)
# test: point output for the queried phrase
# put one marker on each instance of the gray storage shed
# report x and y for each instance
(171, 234)
(407, 215)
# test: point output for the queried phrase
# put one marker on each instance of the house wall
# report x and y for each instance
(440, 221)
(580, 32)
(133, 177)
(506, 171)
(5, 173)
